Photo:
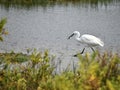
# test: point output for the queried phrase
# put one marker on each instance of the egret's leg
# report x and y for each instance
(92, 49)
(80, 53)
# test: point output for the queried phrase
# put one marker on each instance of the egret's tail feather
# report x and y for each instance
(101, 43)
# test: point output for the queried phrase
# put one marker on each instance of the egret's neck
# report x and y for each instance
(77, 36)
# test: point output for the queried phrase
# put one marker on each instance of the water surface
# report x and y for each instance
(48, 28)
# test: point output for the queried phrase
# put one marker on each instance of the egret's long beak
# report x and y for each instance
(70, 36)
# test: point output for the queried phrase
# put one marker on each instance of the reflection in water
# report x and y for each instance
(49, 3)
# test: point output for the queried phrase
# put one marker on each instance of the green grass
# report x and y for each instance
(97, 71)
(14, 57)
(3, 31)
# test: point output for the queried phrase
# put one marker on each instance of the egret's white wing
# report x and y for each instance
(91, 40)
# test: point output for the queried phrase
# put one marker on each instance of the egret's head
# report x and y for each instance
(74, 33)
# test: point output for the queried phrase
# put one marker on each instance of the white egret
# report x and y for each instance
(88, 40)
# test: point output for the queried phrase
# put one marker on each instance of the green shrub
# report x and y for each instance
(2, 29)
(14, 57)
(95, 72)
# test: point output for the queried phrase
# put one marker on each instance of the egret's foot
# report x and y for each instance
(81, 53)
(75, 55)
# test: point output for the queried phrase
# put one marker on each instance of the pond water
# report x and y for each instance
(48, 28)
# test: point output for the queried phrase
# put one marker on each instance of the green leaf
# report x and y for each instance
(1, 39)
(110, 85)
(2, 23)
